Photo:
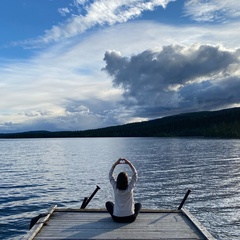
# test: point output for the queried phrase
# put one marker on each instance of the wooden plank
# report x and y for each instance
(104, 210)
(40, 223)
(85, 224)
(198, 224)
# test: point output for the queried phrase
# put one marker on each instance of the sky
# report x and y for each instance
(68, 65)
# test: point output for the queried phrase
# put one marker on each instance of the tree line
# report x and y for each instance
(215, 124)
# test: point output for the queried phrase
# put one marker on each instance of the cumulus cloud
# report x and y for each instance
(63, 88)
(212, 10)
(176, 79)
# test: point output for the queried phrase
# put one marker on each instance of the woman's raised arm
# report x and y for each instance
(130, 165)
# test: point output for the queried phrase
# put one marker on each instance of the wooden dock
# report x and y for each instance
(63, 223)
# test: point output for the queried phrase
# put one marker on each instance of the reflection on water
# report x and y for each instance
(37, 173)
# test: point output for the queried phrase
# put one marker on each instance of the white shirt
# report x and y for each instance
(124, 201)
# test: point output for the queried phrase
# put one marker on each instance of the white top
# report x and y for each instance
(124, 201)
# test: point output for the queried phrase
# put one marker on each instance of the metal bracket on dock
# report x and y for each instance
(87, 200)
(184, 199)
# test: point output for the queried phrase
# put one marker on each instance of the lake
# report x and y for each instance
(38, 173)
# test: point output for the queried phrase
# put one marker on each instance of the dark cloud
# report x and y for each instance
(176, 79)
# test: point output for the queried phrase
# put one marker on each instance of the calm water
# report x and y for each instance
(38, 173)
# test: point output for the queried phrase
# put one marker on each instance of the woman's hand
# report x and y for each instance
(121, 161)
(124, 161)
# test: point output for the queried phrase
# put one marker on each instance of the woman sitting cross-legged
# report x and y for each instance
(123, 210)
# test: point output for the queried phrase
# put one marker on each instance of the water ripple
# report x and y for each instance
(39, 173)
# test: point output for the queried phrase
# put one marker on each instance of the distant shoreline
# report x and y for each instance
(216, 124)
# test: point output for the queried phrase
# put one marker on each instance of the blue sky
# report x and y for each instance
(79, 64)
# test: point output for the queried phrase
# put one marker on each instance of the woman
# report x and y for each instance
(124, 210)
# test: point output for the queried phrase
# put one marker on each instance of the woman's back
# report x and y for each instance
(124, 209)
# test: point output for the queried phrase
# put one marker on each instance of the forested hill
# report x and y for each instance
(217, 124)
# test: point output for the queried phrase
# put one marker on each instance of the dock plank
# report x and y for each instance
(99, 225)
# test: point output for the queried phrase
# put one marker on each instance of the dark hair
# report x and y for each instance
(122, 181)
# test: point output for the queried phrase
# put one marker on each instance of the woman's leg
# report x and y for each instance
(129, 219)
(138, 207)
(109, 207)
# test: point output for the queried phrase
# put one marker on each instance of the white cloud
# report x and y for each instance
(90, 14)
(80, 2)
(212, 10)
(63, 11)
(96, 13)
(63, 87)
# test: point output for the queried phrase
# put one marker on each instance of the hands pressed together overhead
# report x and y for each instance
(123, 161)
